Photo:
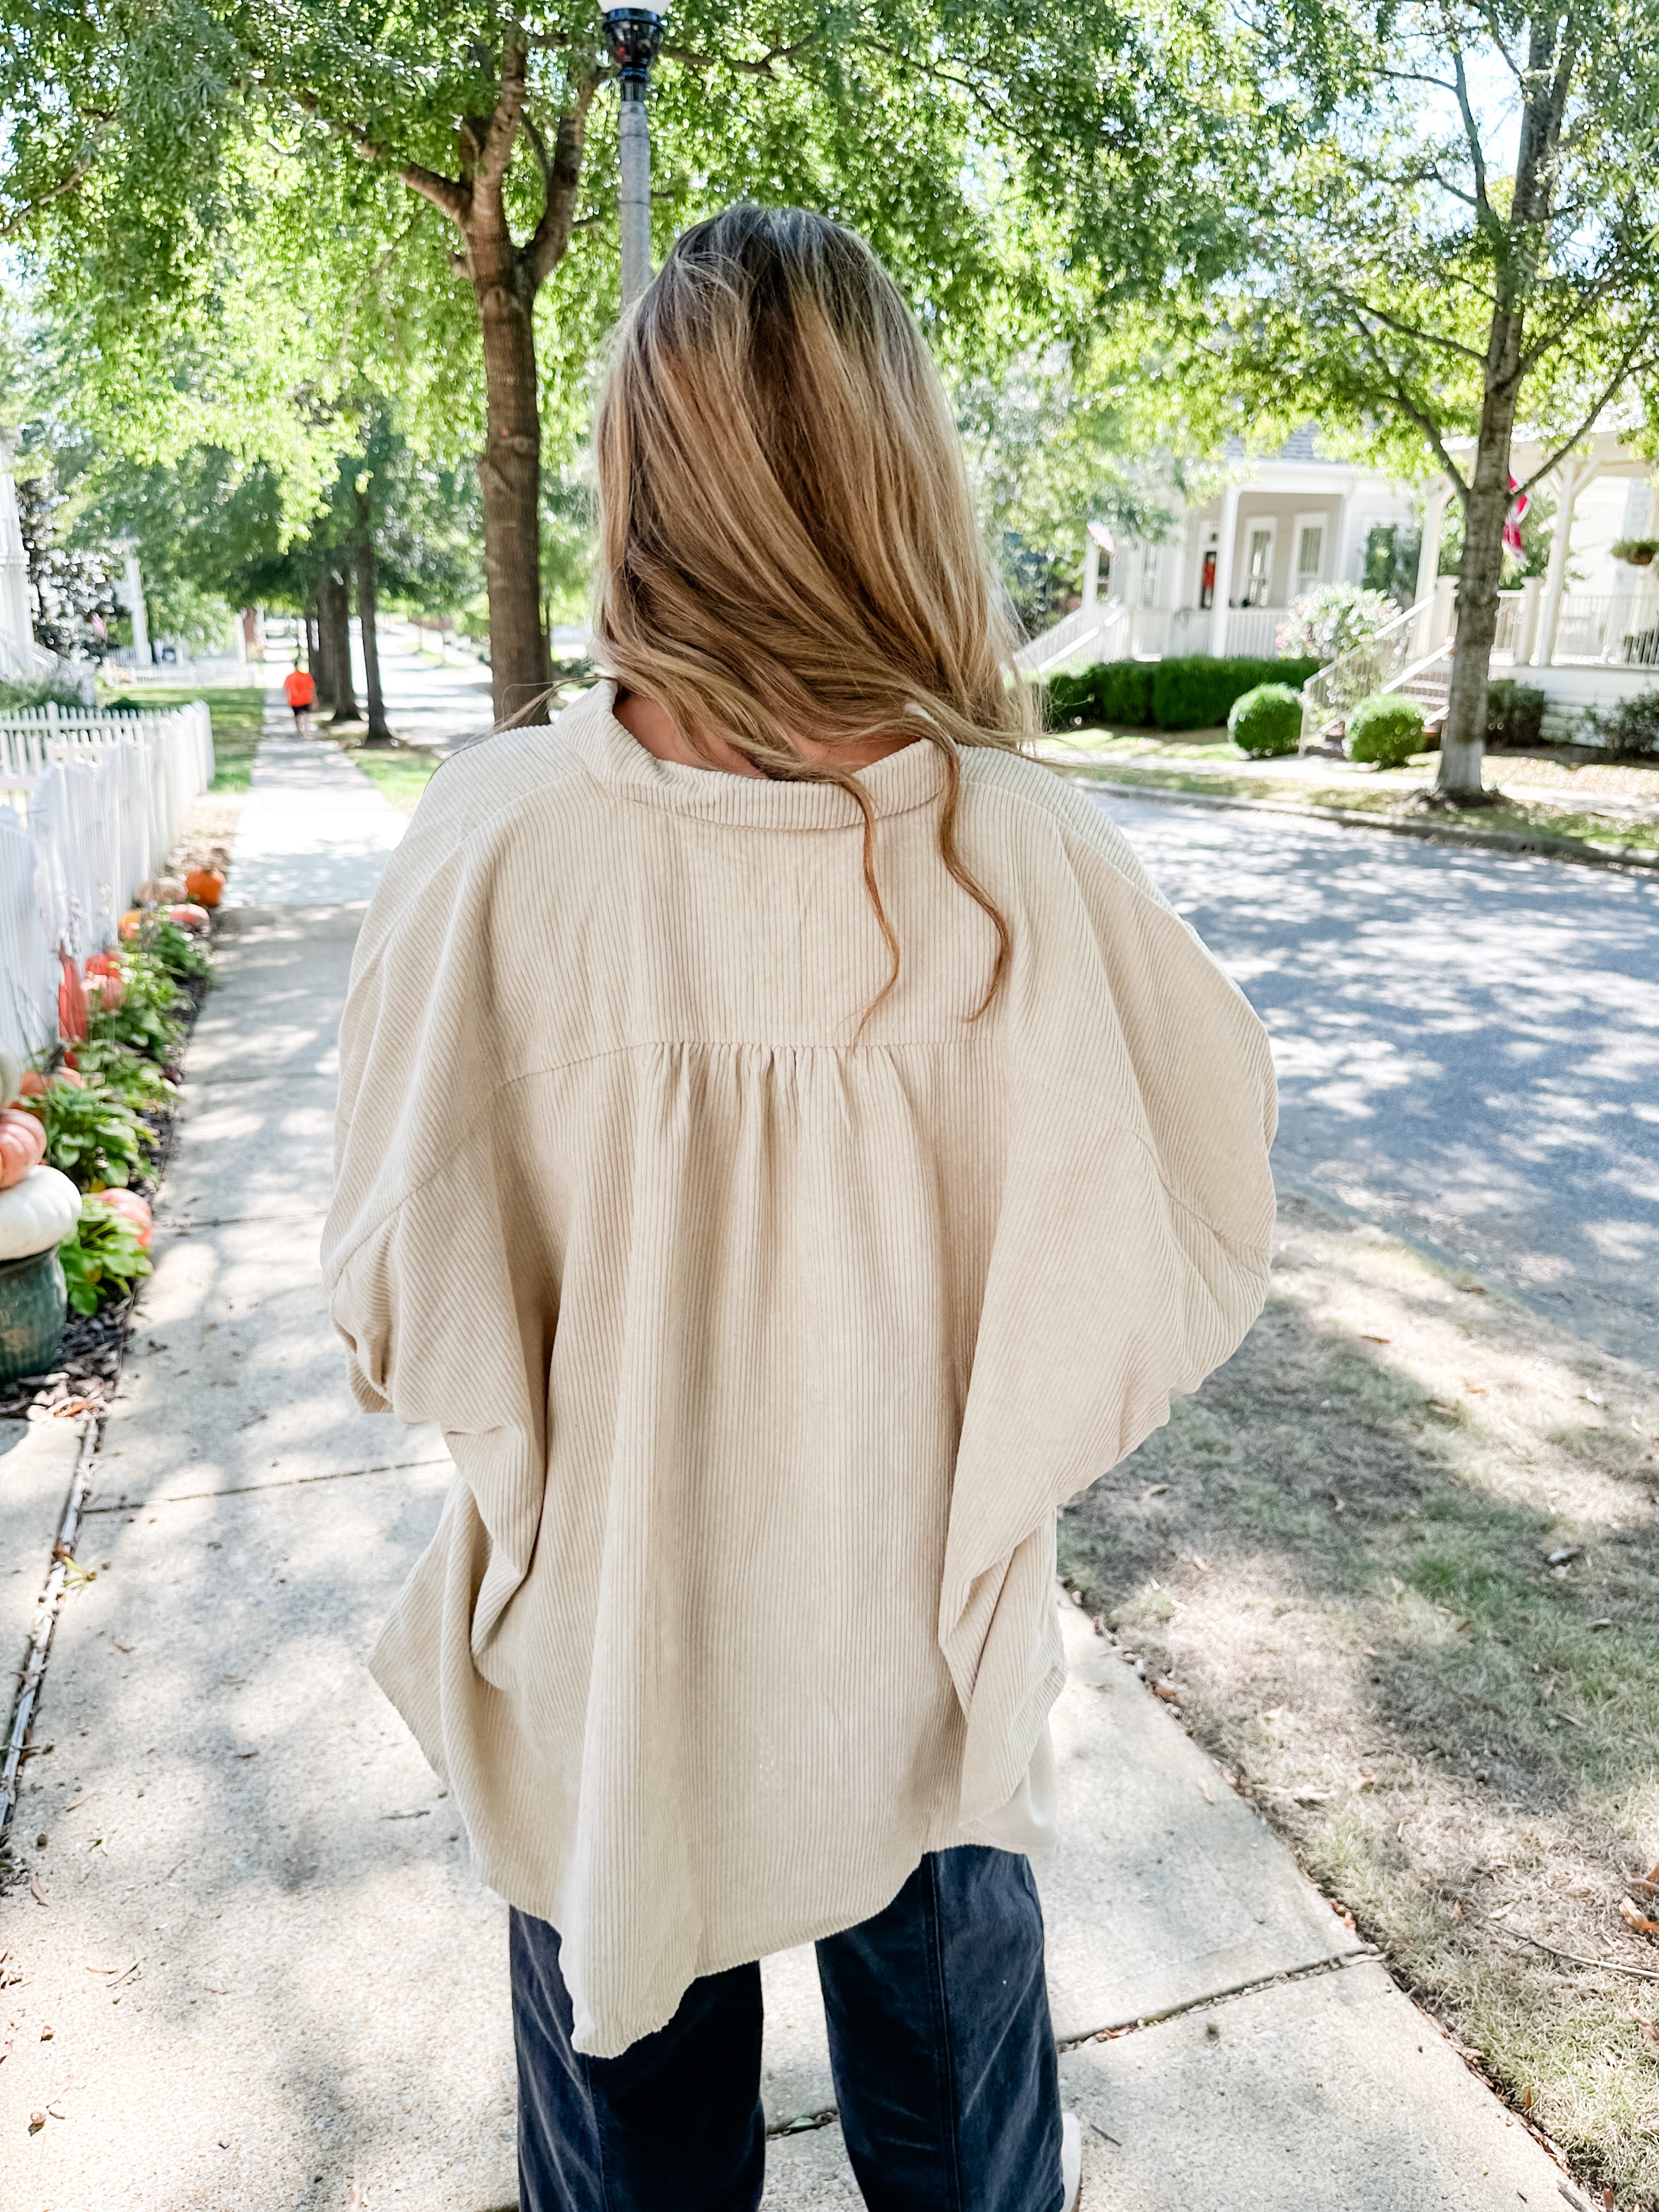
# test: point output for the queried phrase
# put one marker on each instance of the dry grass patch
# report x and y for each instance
(1340, 1553)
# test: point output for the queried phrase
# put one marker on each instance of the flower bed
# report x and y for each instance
(98, 1109)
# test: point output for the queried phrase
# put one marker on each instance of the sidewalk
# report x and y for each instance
(270, 1978)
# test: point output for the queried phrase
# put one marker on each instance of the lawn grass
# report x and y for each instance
(1531, 807)
(401, 775)
(237, 712)
(1337, 1553)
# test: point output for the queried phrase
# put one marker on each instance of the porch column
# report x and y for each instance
(1571, 479)
(1226, 542)
(1090, 568)
(1434, 523)
(1527, 629)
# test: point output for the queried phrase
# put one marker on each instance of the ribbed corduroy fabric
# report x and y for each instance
(766, 1349)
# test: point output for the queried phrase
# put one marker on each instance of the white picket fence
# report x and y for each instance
(90, 804)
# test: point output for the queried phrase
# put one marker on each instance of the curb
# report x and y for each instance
(1538, 843)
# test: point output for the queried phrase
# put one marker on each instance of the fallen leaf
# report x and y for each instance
(234, 1681)
(1165, 1690)
(37, 2121)
(1365, 1338)
(1440, 1406)
(1203, 1565)
(254, 1754)
(1564, 1555)
(1366, 1782)
(1598, 1623)
(1153, 1489)
(419, 1813)
(119, 1646)
(1589, 1398)
(75, 1805)
(36, 1891)
(1633, 1916)
(1399, 1587)
(1649, 2027)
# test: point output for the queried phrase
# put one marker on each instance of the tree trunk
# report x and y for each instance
(509, 471)
(379, 734)
(1480, 573)
(317, 651)
(336, 609)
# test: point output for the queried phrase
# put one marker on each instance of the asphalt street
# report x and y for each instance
(1467, 1043)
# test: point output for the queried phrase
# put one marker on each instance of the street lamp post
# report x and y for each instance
(634, 34)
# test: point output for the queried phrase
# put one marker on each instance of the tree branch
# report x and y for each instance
(67, 183)
(561, 174)
(689, 58)
(1632, 354)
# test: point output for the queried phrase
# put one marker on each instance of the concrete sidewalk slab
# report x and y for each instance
(1333, 2091)
(37, 1469)
(281, 976)
(257, 1149)
(234, 1374)
(313, 828)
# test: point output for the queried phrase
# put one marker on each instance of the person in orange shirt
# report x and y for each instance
(298, 691)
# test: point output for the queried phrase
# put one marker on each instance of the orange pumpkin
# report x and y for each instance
(104, 975)
(22, 1146)
(33, 1084)
(192, 918)
(132, 1209)
(72, 1002)
(205, 885)
(132, 923)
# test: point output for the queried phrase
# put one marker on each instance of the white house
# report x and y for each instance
(1226, 575)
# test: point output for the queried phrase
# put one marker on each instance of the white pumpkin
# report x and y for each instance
(37, 1212)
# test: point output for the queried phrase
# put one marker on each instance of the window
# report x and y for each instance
(1309, 554)
(1207, 578)
(1149, 569)
(1258, 567)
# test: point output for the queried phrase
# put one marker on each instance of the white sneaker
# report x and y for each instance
(1071, 2158)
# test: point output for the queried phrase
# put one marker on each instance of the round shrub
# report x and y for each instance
(1267, 721)
(1385, 728)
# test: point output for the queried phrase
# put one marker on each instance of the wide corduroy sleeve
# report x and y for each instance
(1130, 1256)
(433, 1251)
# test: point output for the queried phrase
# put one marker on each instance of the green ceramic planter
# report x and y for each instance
(33, 1302)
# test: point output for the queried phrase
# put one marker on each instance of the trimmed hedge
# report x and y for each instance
(1265, 721)
(1195, 693)
(1387, 728)
(1515, 712)
(1191, 693)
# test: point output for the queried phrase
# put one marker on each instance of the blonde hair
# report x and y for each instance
(786, 538)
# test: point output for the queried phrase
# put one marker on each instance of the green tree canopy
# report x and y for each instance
(1455, 220)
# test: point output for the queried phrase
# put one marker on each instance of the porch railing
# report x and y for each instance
(1609, 629)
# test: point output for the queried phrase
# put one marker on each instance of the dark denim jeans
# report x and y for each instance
(939, 2041)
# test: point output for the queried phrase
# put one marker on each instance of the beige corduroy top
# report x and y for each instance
(766, 1355)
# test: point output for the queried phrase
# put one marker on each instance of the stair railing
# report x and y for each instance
(1392, 656)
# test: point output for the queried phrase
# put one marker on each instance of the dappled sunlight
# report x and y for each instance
(1472, 1031)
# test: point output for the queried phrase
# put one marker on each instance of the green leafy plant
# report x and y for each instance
(178, 951)
(92, 1135)
(1629, 729)
(1386, 728)
(102, 1259)
(1515, 712)
(144, 1019)
(128, 1075)
(1267, 721)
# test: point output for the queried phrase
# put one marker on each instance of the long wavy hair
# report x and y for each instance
(786, 539)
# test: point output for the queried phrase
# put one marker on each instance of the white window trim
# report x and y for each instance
(1324, 521)
(1248, 526)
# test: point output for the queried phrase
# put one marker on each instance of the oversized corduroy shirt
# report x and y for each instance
(766, 1346)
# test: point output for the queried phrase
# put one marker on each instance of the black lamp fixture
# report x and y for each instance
(635, 37)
